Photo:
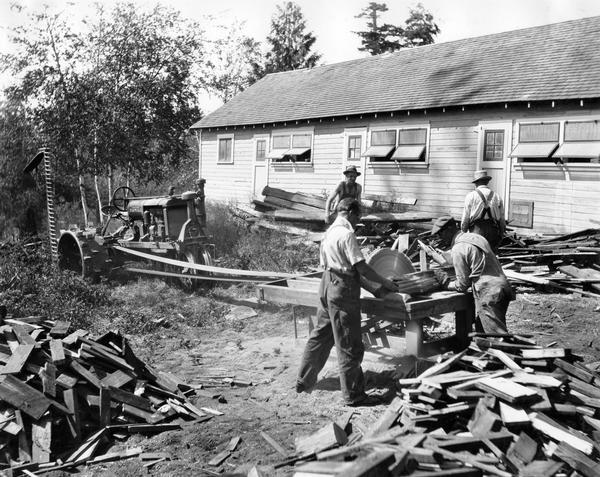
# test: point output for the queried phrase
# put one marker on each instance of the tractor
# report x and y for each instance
(167, 232)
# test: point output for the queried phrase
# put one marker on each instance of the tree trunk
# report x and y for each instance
(82, 191)
(127, 174)
(110, 181)
(99, 199)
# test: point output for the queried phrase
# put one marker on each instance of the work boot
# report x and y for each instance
(365, 400)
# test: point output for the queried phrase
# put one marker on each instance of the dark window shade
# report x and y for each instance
(383, 138)
(301, 140)
(281, 142)
(539, 132)
(225, 150)
(412, 136)
(582, 131)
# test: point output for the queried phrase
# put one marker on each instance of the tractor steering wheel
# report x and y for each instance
(119, 198)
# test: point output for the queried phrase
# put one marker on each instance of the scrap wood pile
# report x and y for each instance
(505, 406)
(567, 263)
(300, 213)
(63, 396)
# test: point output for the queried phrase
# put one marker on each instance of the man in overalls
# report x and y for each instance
(477, 266)
(338, 315)
(347, 189)
(484, 211)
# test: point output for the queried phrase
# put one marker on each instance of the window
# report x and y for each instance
(225, 149)
(261, 149)
(537, 142)
(398, 145)
(382, 145)
(354, 147)
(291, 147)
(581, 142)
(411, 145)
(493, 145)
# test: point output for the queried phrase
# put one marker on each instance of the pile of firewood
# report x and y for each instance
(64, 395)
(503, 407)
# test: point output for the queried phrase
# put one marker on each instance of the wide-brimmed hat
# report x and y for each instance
(351, 169)
(440, 223)
(481, 175)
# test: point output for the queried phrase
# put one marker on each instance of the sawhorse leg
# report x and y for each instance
(463, 321)
(414, 337)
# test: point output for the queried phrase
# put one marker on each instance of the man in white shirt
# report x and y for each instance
(484, 211)
(338, 312)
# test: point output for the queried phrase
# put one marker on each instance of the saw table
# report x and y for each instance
(304, 290)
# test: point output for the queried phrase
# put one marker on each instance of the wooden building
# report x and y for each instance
(524, 105)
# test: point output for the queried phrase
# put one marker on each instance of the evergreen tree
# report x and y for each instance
(419, 29)
(290, 43)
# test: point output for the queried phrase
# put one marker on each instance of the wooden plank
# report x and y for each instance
(18, 359)
(387, 419)
(117, 379)
(74, 420)
(325, 438)
(24, 444)
(584, 388)
(576, 371)
(544, 353)
(219, 458)
(472, 461)
(57, 352)
(66, 380)
(557, 432)
(522, 451)
(23, 397)
(104, 407)
(23, 335)
(85, 374)
(513, 416)
(131, 399)
(151, 418)
(48, 376)
(506, 389)
(73, 337)
(299, 197)
(60, 329)
(41, 438)
(274, 444)
(577, 460)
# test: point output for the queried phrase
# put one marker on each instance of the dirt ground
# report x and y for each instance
(258, 345)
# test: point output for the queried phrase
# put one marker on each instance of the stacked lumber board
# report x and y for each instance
(567, 263)
(505, 406)
(63, 395)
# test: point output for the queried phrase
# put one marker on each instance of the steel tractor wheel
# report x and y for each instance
(189, 284)
(82, 255)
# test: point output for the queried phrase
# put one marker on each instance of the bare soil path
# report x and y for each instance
(261, 348)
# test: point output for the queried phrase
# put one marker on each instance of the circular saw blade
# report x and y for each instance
(390, 263)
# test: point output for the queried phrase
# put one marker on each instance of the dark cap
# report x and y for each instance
(441, 222)
(348, 205)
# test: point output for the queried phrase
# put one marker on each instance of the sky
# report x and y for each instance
(333, 21)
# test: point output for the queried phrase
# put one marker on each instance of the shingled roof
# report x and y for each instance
(551, 62)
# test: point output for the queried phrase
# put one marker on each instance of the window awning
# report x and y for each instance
(540, 150)
(378, 151)
(276, 154)
(296, 151)
(408, 153)
(582, 150)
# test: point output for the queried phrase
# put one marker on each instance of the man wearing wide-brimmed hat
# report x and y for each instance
(347, 189)
(484, 211)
